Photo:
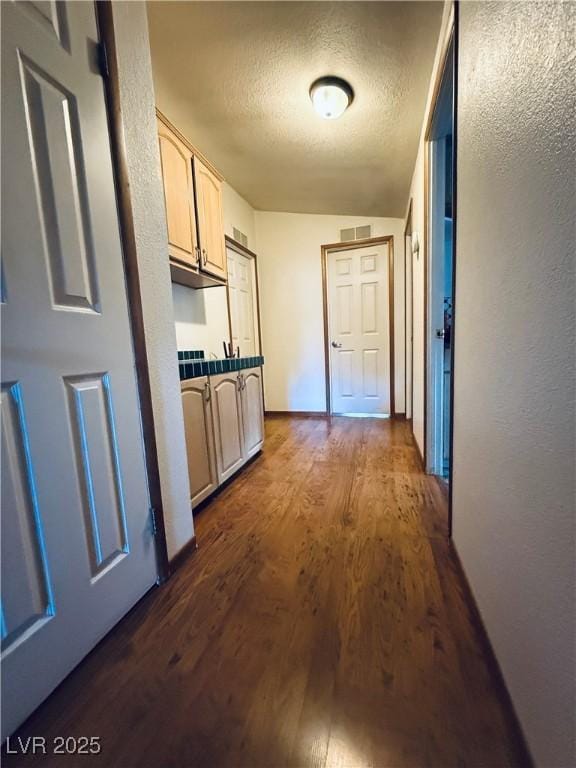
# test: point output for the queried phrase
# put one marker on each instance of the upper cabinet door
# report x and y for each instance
(210, 220)
(179, 197)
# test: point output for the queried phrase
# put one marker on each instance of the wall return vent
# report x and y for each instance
(240, 237)
(355, 233)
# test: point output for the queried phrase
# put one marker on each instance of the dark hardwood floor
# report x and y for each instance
(322, 622)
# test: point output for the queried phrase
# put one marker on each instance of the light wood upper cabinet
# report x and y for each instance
(176, 161)
(210, 220)
(199, 433)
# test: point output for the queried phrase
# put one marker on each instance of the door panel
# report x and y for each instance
(359, 329)
(77, 545)
(60, 184)
(26, 595)
(252, 411)
(210, 220)
(176, 161)
(97, 462)
(199, 432)
(370, 365)
(228, 428)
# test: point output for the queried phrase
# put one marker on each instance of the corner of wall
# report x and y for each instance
(138, 117)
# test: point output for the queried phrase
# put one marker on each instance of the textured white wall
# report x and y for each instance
(137, 98)
(201, 318)
(514, 421)
(291, 304)
(238, 213)
(417, 197)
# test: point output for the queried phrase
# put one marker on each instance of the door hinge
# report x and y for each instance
(103, 60)
(153, 524)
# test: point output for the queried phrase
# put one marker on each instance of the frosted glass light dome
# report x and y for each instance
(331, 97)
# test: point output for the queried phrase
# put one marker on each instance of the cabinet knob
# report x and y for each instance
(207, 392)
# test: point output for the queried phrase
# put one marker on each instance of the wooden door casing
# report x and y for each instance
(199, 432)
(176, 161)
(242, 301)
(359, 329)
(210, 220)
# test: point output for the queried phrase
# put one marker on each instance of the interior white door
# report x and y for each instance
(435, 321)
(77, 545)
(242, 292)
(359, 330)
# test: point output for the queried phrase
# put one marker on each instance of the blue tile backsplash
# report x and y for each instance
(191, 367)
(191, 354)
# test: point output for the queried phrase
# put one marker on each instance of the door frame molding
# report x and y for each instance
(234, 245)
(408, 233)
(105, 22)
(349, 246)
(450, 41)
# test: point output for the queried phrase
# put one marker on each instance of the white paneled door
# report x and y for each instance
(242, 291)
(359, 330)
(77, 545)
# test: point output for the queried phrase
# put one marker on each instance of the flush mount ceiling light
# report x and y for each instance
(331, 96)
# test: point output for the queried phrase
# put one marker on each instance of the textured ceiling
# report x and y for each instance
(234, 78)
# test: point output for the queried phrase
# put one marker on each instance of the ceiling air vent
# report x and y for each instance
(240, 237)
(355, 233)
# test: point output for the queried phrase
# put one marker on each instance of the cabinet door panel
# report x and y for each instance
(199, 439)
(178, 196)
(228, 431)
(252, 411)
(210, 220)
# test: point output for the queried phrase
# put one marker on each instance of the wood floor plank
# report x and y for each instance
(322, 623)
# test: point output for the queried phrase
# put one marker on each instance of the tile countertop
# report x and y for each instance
(190, 369)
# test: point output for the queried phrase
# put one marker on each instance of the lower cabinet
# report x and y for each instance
(224, 425)
(196, 396)
(252, 410)
(227, 415)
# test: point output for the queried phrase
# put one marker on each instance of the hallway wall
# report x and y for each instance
(238, 213)
(514, 421)
(143, 166)
(288, 247)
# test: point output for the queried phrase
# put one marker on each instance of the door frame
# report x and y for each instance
(105, 22)
(408, 344)
(234, 245)
(349, 246)
(450, 41)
